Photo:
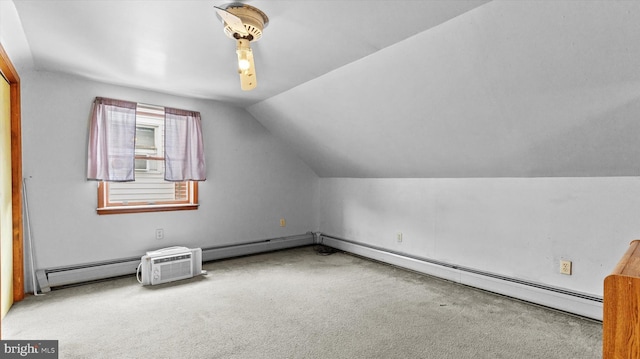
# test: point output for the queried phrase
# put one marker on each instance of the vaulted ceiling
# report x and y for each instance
(386, 88)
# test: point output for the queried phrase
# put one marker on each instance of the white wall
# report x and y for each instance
(12, 37)
(517, 227)
(252, 179)
(509, 89)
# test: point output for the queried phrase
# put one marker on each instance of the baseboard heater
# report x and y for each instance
(70, 275)
(582, 304)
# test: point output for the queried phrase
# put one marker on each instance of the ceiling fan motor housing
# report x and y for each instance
(254, 21)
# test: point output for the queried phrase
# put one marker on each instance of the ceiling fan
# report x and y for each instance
(243, 23)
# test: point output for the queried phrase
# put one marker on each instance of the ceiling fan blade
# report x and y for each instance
(234, 22)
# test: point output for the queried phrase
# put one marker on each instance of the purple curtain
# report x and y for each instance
(112, 141)
(183, 147)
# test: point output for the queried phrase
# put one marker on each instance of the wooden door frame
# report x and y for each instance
(10, 73)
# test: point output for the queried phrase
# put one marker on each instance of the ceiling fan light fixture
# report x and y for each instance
(243, 51)
(243, 23)
(246, 68)
(253, 19)
(243, 64)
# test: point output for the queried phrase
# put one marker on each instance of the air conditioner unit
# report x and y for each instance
(169, 264)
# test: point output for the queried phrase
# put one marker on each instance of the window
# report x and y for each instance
(149, 191)
(146, 139)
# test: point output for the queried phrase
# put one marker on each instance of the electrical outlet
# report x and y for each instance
(565, 267)
(159, 233)
(283, 222)
(399, 237)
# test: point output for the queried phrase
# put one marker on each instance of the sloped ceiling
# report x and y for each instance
(179, 47)
(509, 89)
(366, 88)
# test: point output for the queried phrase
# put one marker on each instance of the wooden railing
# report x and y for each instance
(621, 305)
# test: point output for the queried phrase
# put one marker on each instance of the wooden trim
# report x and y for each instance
(194, 191)
(156, 208)
(145, 204)
(10, 73)
(101, 194)
(104, 207)
(142, 157)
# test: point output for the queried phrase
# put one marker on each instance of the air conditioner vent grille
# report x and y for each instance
(176, 270)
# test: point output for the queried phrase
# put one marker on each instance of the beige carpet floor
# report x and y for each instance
(297, 304)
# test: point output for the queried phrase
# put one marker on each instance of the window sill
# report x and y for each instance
(144, 209)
